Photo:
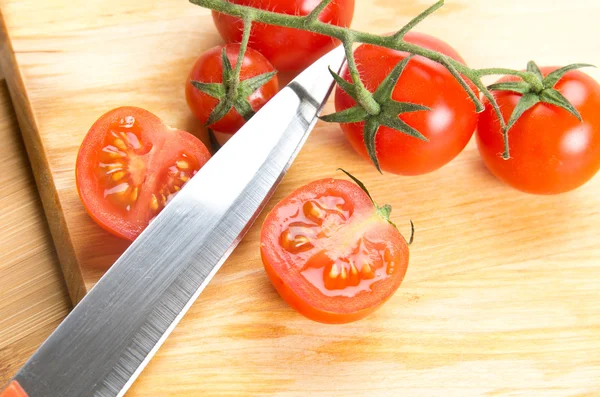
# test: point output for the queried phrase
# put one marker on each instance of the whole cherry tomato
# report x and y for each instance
(288, 49)
(551, 151)
(448, 126)
(208, 68)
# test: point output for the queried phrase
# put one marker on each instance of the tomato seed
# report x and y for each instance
(313, 212)
(134, 194)
(333, 273)
(296, 244)
(115, 155)
(154, 203)
(354, 278)
(367, 272)
(182, 164)
(120, 144)
(117, 176)
(391, 267)
(343, 273)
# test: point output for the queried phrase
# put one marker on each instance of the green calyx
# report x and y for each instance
(388, 114)
(535, 88)
(232, 93)
(383, 211)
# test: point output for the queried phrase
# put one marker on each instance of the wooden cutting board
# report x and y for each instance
(502, 293)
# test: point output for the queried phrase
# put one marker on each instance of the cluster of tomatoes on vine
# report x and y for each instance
(553, 150)
(130, 163)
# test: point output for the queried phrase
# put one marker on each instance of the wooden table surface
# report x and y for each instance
(33, 295)
(493, 318)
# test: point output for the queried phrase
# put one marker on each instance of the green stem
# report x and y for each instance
(338, 32)
(242, 52)
(494, 71)
(311, 23)
(528, 77)
(496, 107)
(314, 14)
(415, 21)
(478, 105)
(363, 96)
(536, 83)
(317, 26)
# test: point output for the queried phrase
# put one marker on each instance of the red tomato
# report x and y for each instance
(329, 254)
(13, 389)
(208, 68)
(288, 49)
(551, 150)
(129, 165)
(448, 125)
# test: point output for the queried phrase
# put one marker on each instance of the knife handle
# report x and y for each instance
(13, 389)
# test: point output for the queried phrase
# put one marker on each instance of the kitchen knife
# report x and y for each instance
(109, 337)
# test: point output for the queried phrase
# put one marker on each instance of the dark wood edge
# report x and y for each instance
(41, 167)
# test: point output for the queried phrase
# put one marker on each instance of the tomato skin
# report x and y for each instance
(449, 124)
(159, 147)
(287, 49)
(285, 268)
(309, 311)
(551, 150)
(208, 68)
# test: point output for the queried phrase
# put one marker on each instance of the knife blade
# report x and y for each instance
(109, 337)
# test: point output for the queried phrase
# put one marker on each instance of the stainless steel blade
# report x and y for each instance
(109, 337)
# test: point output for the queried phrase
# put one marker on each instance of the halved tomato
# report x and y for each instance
(331, 253)
(129, 165)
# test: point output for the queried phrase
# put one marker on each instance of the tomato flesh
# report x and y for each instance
(330, 255)
(130, 164)
(121, 169)
(551, 150)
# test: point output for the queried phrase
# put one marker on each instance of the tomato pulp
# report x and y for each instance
(329, 254)
(129, 165)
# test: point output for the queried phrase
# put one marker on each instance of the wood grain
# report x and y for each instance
(33, 297)
(501, 297)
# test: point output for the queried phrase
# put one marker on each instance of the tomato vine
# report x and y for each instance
(378, 110)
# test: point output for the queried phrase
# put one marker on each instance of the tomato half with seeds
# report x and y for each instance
(330, 254)
(129, 164)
